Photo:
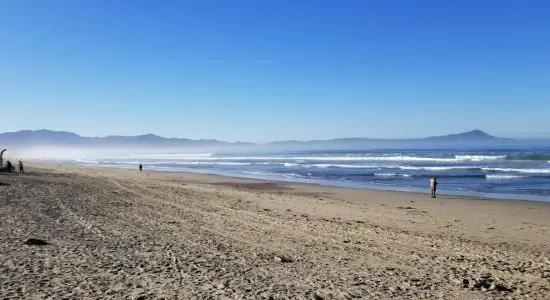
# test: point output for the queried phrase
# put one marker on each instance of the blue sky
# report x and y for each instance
(259, 70)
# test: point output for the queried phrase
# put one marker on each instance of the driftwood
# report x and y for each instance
(2, 158)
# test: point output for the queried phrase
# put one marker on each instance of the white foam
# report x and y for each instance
(291, 175)
(479, 157)
(405, 158)
(228, 163)
(391, 175)
(382, 158)
(87, 161)
(172, 155)
(154, 163)
(282, 159)
(530, 171)
(502, 176)
(442, 168)
(343, 166)
(233, 163)
(291, 164)
(259, 173)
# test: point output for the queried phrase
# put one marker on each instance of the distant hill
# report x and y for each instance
(470, 137)
(474, 135)
(63, 138)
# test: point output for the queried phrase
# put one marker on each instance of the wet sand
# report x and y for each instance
(117, 234)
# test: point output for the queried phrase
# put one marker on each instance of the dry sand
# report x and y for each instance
(121, 234)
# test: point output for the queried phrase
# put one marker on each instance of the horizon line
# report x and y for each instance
(259, 143)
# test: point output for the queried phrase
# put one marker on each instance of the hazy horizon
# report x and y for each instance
(47, 131)
(267, 140)
(63, 145)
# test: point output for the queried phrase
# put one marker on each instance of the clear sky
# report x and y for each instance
(259, 70)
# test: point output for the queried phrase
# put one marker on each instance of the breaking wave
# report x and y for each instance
(343, 166)
(291, 164)
(502, 176)
(392, 175)
(478, 157)
(439, 168)
(531, 171)
(209, 157)
(173, 155)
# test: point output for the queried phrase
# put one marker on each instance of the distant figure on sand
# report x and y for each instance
(433, 186)
(21, 168)
(9, 166)
(140, 167)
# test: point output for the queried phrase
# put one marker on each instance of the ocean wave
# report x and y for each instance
(233, 163)
(542, 156)
(166, 163)
(207, 163)
(282, 159)
(439, 168)
(291, 175)
(86, 161)
(287, 164)
(479, 157)
(502, 176)
(392, 175)
(236, 162)
(343, 166)
(259, 173)
(456, 158)
(451, 175)
(428, 176)
(172, 155)
(106, 162)
(303, 159)
(390, 158)
(531, 171)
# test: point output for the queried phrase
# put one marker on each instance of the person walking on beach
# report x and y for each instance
(140, 167)
(9, 166)
(21, 168)
(433, 186)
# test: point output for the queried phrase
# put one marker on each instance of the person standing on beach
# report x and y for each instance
(21, 168)
(433, 186)
(140, 167)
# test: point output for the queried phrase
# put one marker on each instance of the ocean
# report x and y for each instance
(492, 173)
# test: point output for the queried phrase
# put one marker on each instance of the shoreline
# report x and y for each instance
(114, 233)
(362, 195)
(358, 186)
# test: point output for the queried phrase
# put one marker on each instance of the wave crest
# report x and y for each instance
(531, 171)
(502, 176)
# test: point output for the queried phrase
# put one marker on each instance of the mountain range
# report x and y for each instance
(31, 138)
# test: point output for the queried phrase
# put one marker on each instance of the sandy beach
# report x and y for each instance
(122, 234)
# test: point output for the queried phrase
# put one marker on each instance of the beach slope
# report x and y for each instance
(74, 232)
